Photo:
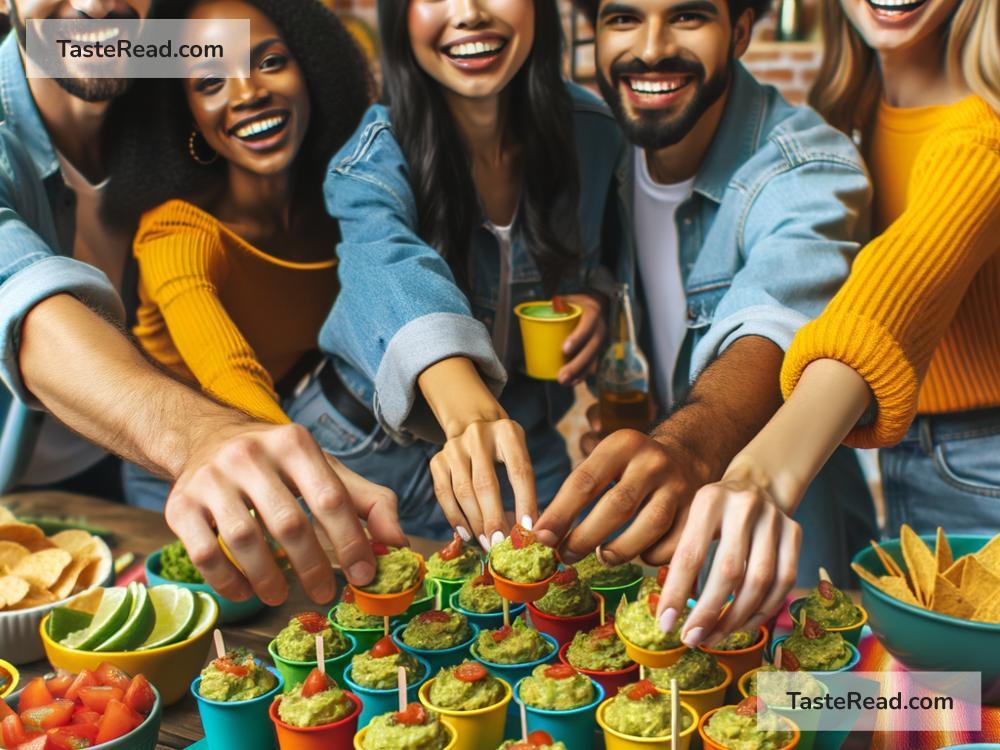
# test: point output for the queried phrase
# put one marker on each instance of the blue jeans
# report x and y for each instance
(945, 472)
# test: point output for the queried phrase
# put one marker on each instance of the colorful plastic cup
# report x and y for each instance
(648, 658)
(14, 676)
(704, 701)
(614, 594)
(441, 658)
(295, 672)
(611, 681)
(575, 727)
(517, 591)
(543, 339)
(375, 702)
(244, 724)
(423, 602)
(806, 721)
(615, 740)
(485, 621)
(229, 610)
(364, 637)
(339, 734)
(564, 628)
(512, 673)
(850, 633)
(855, 658)
(741, 660)
(359, 738)
(478, 729)
(389, 605)
(709, 744)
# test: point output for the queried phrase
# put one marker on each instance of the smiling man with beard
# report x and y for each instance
(746, 213)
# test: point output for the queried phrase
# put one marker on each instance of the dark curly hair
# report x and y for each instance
(146, 141)
(736, 8)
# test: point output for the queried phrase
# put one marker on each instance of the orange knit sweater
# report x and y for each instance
(220, 312)
(919, 317)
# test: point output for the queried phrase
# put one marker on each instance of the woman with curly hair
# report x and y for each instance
(235, 250)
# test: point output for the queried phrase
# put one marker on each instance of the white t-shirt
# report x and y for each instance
(655, 207)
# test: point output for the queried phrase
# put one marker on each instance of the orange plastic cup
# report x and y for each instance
(742, 660)
(359, 738)
(704, 701)
(709, 744)
(389, 605)
(648, 658)
(338, 734)
(477, 729)
(517, 591)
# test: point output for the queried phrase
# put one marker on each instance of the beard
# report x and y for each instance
(653, 130)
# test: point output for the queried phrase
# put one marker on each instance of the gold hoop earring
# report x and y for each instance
(194, 146)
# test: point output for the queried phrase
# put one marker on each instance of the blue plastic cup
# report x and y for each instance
(855, 657)
(242, 724)
(512, 673)
(574, 727)
(441, 658)
(229, 611)
(488, 621)
(376, 702)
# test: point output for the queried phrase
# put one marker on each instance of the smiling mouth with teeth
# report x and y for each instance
(260, 128)
(96, 37)
(473, 50)
(646, 86)
(895, 7)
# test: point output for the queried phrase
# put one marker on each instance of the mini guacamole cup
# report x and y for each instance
(375, 702)
(614, 594)
(806, 721)
(359, 738)
(850, 633)
(543, 333)
(519, 591)
(709, 744)
(742, 660)
(575, 727)
(245, 724)
(649, 658)
(512, 673)
(365, 638)
(611, 680)
(437, 658)
(615, 740)
(295, 672)
(564, 628)
(705, 700)
(9, 677)
(338, 734)
(477, 729)
(389, 605)
(485, 620)
(855, 657)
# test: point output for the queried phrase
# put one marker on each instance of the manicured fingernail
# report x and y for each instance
(361, 573)
(465, 535)
(693, 637)
(668, 619)
(496, 538)
(484, 542)
(526, 522)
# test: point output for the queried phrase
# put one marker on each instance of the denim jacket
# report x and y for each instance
(399, 309)
(779, 209)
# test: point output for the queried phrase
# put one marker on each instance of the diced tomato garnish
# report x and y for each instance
(6, 710)
(559, 304)
(433, 615)
(42, 718)
(559, 672)
(826, 590)
(348, 597)
(83, 715)
(35, 694)
(97, 698)
(812, 629)
(502, 634)
(750, 706)
(227, 665)
(641, 689)
(112, 676)
(74, 737)
(39, 742)
(384, 647)
(379, 549)
(59, 684)
(603, 632)
(539, 737)
(661, 575)
(86, 678)
(470, 671)
(486, 579)
(520, 537)
(453, 550)
(117, 721)
(12, 731)
(565, 577)
(789, 661)
(653, 600)
(140, 696)
(312, 622)
(412, 714)
(316, 682)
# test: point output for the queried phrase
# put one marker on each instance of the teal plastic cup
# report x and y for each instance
(855, 657)
(376, 702)
(295, 672)
(440, 658)
(242, 724)
(488, 620)
(574, 727)
(513, 673)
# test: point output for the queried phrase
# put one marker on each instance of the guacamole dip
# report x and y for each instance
(416, 728)
(175, 565)
(746, 730)
(235, 677)
(816, 649)
(779, 683)
(465, 687)
(349, 615)
(600, 650)
(455, 561)
(396, 569)
(556, 687)
(599, 575)
(315, 702)
(297, 640)
(647, 587)
(520, 558)
(437, 629)
(737, 640)
(695, 670)
(568, 596)
(479, 595)
(512, 644)
(831, 607)
(640, 710)
(638, 625)
(377, 668)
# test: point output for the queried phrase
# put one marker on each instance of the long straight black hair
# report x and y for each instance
(539, 119)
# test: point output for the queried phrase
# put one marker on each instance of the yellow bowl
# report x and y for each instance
(615, 740)
(704, 701)
(655, 659)
(170, 668)
(476, 729)
(15, 676)
(359, 738)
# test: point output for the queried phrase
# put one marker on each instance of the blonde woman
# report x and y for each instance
(906, 358)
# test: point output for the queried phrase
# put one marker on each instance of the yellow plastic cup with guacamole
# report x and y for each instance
(476, 729)
(544, 330)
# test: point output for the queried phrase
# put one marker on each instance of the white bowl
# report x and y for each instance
(20, 642)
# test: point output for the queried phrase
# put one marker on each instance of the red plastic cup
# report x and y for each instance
(610, 681)
(564, 628)
(339, 734)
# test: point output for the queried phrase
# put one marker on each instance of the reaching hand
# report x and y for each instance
(583, 347)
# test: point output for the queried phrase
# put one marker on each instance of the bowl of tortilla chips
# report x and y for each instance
(40, 572)
(934, 602)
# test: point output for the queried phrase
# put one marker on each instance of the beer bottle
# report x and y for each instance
(623, 378)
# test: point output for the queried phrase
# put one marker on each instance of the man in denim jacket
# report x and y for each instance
(756, 208)
(62, 350)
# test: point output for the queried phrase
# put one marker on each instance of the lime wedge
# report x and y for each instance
(177, 611)
(137, 626)
(114, 609)
(207, 617)
(63, 621)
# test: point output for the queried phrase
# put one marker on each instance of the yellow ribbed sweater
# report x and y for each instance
(223, 314)
(919, 316)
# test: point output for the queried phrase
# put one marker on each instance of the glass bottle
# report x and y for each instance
(623, 378)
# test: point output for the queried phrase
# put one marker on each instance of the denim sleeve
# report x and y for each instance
(801, 231)
(30, 269)
(399, 310)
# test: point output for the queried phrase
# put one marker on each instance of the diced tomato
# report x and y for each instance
(112, 676)
(661, 575)
(74, 737)
(603, 632)
(486, 579)
(35, 694)
(412, 714)
(433, 615)
(97, 698)
(520, 537)
(565, 577)
(826, 590)
(812, 629)
(312, 622)
(316, 682)
(12, 731)
(42, 718)
(379, 549)
(348, 597)
(6, 710)
(539, 738)
(559, 304)
(384, 647)
(86, 678)
(227, 665)
(641, 689)
(789, 661)
(653, 600)
(750, 705)
(559, 671)
(59, 684)
(140, 696)
(453, 550)
(502, 634)
(470, 671)
(83, 715)
(117, 721)
(40, 742)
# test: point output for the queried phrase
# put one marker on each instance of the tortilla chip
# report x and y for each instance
(942, 551)
(894, 586)
(6, 516)
(11, 553)
(988, 611)
(25, 534)
(12, 591)
(954, 572)
(948, 600)
(891, 566)
(978, 584)
(74, 541)
(43, 568)
(920, 564)
(36, 597)
(989, 555)
(67, 582)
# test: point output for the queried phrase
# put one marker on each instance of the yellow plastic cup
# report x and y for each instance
(476, 729)
(704, 701)
(543, 339)
(615, 740)
(359, 738)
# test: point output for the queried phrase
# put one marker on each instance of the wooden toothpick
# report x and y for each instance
(524, 721)
(601, 606)
(385, 624)
(401, 684)
(674, 711)
(220, 645)
(777, 657)
(320, 654)
(823, 575)
(506, 612)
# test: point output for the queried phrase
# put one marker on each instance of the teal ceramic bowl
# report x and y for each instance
(376, 702)
(441, 658)
(242, 724)
(295, 672)
(489, 621)
(229, 611)
(143, 737)
(855, 657)
(923, 640)
(424, 603)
